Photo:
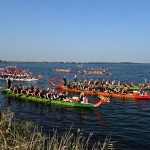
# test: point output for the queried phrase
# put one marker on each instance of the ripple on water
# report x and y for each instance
(127, 121)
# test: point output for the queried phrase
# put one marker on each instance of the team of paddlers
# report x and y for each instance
(64, 70)
(101, 72)
(14, 72)
(91, 85)
(44, 93)
(103, 86)
(17, 76)
(89, 71)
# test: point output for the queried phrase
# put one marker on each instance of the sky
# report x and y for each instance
(75, 30)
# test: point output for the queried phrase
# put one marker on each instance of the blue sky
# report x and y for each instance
(75, 30)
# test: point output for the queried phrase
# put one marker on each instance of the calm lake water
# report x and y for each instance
(128, 121)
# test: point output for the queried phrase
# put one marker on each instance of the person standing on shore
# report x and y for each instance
(9, 84)
(65, 81)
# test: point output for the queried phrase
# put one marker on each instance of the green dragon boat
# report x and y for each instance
(138, 89)
(61, 103)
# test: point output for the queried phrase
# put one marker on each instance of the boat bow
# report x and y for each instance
(55, 85)
(59, 79)
(103, 100)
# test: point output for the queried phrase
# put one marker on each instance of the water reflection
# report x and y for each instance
(57, 113)
(120, 117)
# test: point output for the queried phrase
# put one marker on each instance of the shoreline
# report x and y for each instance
(46, 62)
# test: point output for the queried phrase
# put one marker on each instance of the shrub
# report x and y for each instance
(17, 134)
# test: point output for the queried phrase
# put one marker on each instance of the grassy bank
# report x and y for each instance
(24, 135)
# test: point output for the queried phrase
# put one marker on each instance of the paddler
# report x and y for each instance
(65, 81)
(81, 97)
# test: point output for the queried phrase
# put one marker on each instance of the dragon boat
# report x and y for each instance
(134, 95)
(138, 88)
(23, 79)
(96, 71)
(17, 74)
(64, 70)
(74, 103)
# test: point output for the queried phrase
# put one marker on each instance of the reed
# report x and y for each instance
(18, 135)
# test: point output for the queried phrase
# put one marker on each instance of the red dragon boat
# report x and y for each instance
(134, 95)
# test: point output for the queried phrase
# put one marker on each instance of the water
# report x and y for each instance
(128, 121)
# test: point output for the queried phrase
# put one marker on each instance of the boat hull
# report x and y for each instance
(50, 102)
(106, 94)
(26, 80)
